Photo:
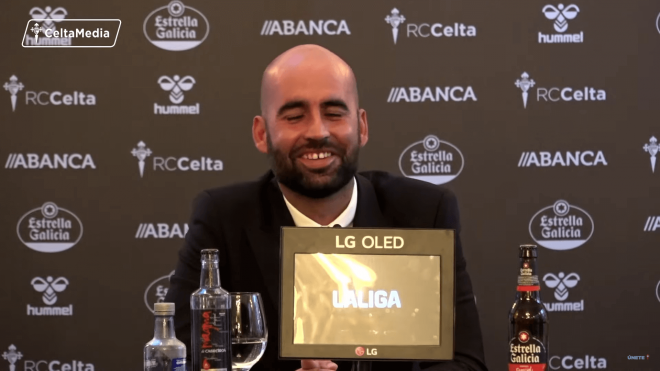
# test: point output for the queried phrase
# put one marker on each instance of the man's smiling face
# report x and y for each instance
(312, 122)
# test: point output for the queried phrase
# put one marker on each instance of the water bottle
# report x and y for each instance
(164, 352)
(210, 323)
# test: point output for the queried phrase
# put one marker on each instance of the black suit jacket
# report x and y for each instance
(243, 221)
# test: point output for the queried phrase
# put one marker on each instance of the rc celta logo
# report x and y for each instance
(36, 161)
(431, 160)
(570, 362)
(161, 230)
(174, 163)
(557, 94)
(176, 86)
(176, 27)
(29, 365)
(558, 158)
(45, 98)
(424, 30)
(652, 149)
(561, 283)
(560, 15)
(329, 27)
(12, 356)
(431, 94)
(49, 287)
(49, 229)
(156, 291)
(13, 87)
(561, 226)
(50, 16)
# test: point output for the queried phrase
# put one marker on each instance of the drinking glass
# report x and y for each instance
(249, 334)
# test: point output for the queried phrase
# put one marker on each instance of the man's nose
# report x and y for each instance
(317, 127)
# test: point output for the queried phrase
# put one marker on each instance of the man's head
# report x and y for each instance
(310, 125)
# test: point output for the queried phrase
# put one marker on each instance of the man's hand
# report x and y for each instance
(317, 365)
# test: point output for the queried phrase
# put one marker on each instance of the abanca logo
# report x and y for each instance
(561, 226)
(161, 230)
(431, 160)
(293, 28)
(46, 161)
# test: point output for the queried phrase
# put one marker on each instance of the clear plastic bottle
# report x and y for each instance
(210, 323)
(164, 352)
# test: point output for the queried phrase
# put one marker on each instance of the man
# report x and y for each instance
(312, 129)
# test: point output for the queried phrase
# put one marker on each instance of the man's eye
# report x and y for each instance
(294, 118)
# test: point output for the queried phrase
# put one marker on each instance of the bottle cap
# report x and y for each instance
(164, 309)
(528, 251)
(210, 254)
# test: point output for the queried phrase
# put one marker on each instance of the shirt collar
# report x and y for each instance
(345, 219)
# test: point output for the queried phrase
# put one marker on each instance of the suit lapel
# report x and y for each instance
(368, 213)
(264, 236)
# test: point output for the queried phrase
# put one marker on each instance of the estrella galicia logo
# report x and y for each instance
(431, 160)
(49, 228)
(561, 226)
(176, 27)
(156, 291)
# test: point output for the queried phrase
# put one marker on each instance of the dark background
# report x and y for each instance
(110, 269)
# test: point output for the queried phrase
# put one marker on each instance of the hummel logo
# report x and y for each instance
(176, 86)
(561, 15)
(562, 283)
(49, 287)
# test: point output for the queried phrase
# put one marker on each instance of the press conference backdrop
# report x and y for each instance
(541, 116)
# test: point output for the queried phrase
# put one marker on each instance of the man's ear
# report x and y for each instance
(259, 134)
(364, 127)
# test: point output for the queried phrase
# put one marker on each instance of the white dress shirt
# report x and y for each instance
(345, 219)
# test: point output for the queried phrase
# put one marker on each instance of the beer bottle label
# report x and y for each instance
(215, 339)
(527, 353)
(528, 280)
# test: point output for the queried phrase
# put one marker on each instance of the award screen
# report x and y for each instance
(345, 299)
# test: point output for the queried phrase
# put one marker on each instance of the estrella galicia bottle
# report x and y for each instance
(528, 318)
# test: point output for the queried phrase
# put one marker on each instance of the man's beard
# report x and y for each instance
(289, 173)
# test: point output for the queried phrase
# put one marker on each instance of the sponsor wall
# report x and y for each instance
(541, 116)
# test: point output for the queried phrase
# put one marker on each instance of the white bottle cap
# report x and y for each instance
(164, 309)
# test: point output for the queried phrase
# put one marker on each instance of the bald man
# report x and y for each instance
(312, 128)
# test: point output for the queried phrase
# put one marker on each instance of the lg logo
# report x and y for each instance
(360, 351)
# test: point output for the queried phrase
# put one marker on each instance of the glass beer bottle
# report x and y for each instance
(210, 322)
(528, 318)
